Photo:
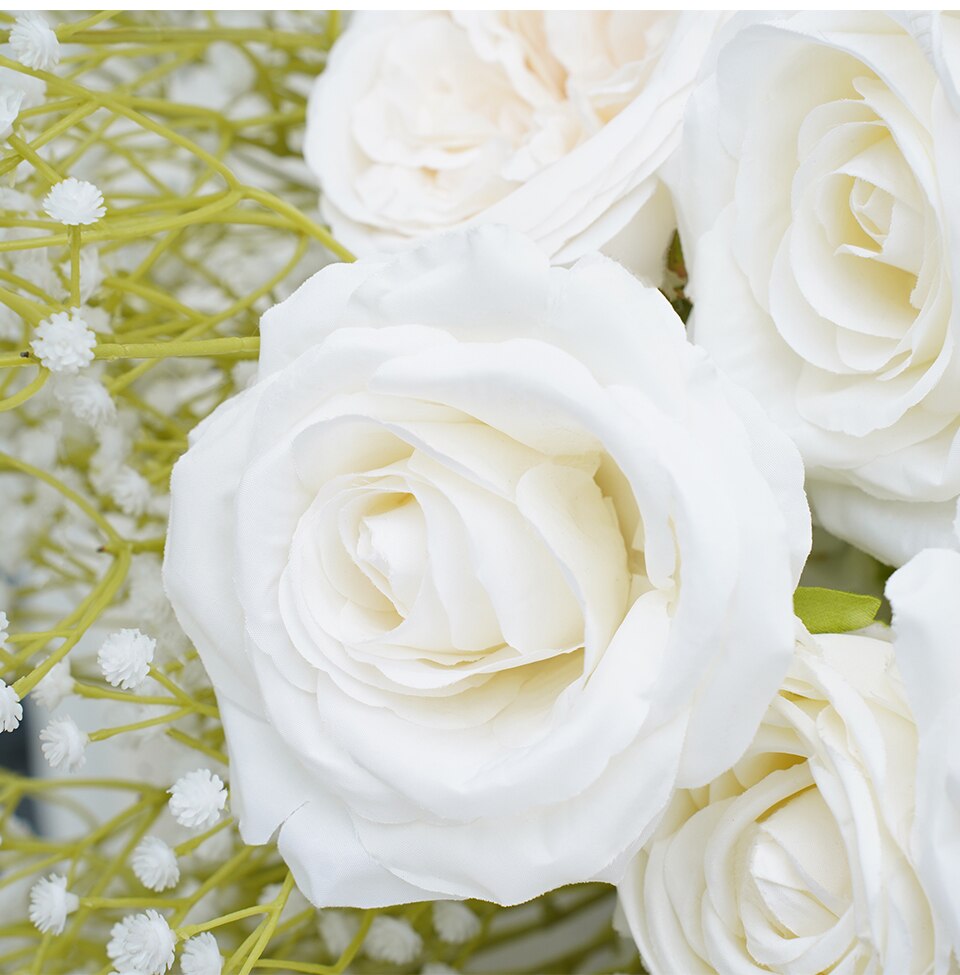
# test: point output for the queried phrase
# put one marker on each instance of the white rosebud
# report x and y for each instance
(155, 864)
(454, 922)
(197, 798)
(73, 202)
(338, 929)
(130, 491)
(125, 658)
(143, 942)
(64, 744)
(50, 903)
(63, 343)
(201, 956)
(11, 101)
(11, 710)
(33, 41)
(86, 398)
(392, 939)
(54, 686)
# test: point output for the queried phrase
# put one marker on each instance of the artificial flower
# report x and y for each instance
(469, 602)
(820, 216)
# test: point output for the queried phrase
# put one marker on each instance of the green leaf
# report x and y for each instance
(833, 611)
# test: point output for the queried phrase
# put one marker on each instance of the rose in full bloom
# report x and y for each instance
(555, 123)
(477, 567)
(820, 217)
(808, 855)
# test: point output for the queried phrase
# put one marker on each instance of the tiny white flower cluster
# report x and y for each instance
(63, 343)
(454, 922)
(54, 686)
(64, 744)
(11, 100)
(74, 202)
(392, 939)
(11, 710)
(51, 903)
(337, 929)
(130, 490)
(86, 398)
(34, 42)
(125, 658)
(143, 943)
(155, 864)
(201, 956)
(197, 798)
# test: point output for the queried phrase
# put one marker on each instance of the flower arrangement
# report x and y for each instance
(399, 577)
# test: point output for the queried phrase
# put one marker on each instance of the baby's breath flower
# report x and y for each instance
(454, 922)
(197, 798)
(11, 100)
(130, 490)
(338, 929)
(392, 939)
(33, 41)
(86, 398)
(143, 942)
(11, 710)
(4, 627)
(73, 202)
(155, 864)
(64, 744)
(55, 685)
(201, 956)
(50, 903)
(125, 658)
(64, 343)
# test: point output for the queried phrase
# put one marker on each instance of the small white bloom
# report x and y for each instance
(86, 398)
(392, 939)
(64, 744)
(50, 903)
(4, 627)
(33, 41)
(64, 343)
(130, 491)
(125, 658)
(11, 710)
(454, 922)
(54, 687)
(11, 101)
(201, 956)
(73, 202)
(197, 798)
(143, 942)
(338, 929)
(155, 864)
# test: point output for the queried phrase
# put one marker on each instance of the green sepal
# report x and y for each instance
(833, 611)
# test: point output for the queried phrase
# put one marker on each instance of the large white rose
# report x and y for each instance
(820, 215)
(802, 858)
(555, 123)
(926, 616)
(477, 567)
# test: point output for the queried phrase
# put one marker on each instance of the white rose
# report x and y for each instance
(820, 216)
(800, 860)
(476, 567)
(555, 123)
(926, 617)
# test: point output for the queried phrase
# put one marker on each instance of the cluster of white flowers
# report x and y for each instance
(155, 864)
(64, 342)
(74, 202)
(33, 42)
(197, 799)
(143, 943)
(64, 744)
(51, 903)
(11, 710)
(125, 658)
(201, 956)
